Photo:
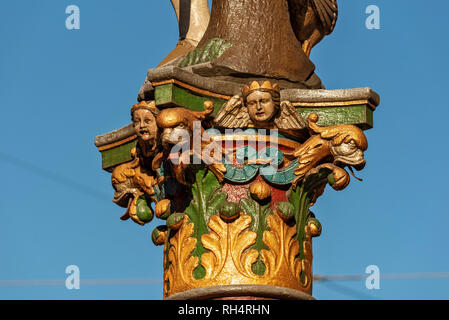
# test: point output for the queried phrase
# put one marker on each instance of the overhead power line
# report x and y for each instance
(391, 276)
(338, 287)
(153, 281)
(83, 282)
(53, 176)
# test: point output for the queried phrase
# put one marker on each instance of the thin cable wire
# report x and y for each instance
(337, 287)
(391, 276)
(152, 281)
(55, 177)
(83, 282)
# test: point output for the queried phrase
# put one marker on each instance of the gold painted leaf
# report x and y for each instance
(291, 252)
(241, 238)
(283, 252)
(249, 257)
(182, 263)
(215, 241)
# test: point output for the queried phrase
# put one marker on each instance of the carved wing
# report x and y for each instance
(233, 114)
(327, 12)
(289, 118)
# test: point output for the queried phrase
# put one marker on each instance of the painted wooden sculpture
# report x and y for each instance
(231, 148)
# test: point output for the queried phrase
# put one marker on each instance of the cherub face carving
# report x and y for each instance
(144, 123)
(261, 107)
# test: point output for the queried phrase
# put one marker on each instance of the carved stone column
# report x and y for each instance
(232, 169)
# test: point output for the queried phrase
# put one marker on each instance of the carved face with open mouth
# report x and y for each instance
(348, 154)
(144, 123)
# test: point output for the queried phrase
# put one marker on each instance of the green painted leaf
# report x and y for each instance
(301, 199)
(207, 197)
(259, 225)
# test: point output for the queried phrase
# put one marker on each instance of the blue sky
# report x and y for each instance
(61, 88)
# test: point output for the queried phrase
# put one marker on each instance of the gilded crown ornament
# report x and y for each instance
(148, 105)
(230, 148)
(255, 86)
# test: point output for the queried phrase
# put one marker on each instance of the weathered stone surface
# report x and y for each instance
(191, 76)
(186, 76)
(340, 95)
(115, 135)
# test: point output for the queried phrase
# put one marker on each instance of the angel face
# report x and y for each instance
(144, 123)
(261, 107)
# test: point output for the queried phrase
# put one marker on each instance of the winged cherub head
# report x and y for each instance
(260, 106)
